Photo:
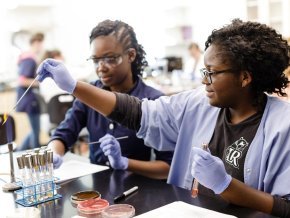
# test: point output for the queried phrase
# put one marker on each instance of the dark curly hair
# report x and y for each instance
(125, 35)
(258, 49)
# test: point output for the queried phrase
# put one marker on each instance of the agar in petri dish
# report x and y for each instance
(119, 211)
(92, 207)
(79, 197)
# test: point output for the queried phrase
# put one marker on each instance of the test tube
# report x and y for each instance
(50, 173)
(42, 165)
(50, 164)
(21, 167)
(36, 174)
(29, 171)
(35, 165)
(42, 168)
(29, 181)
(194, 187)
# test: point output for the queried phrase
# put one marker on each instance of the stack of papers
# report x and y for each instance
(179, 209)
(73, 169)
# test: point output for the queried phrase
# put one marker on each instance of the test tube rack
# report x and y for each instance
(38, 193)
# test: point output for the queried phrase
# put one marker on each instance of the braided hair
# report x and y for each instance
(126, 36)
(255, 48)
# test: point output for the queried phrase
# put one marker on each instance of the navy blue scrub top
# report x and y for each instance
(80, 116)
(29, 104)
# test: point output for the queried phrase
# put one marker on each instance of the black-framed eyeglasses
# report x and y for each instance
(109, 61)
(206, 74)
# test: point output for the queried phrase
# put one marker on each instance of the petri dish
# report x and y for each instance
(79, 197)
(92, 207)
(119, 211)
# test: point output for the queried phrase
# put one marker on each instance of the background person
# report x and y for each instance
(118, 60)
(197, 61)
(27, 65)
(47, 88)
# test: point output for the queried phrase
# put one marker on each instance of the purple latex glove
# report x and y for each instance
(57, 160)
(58, 72)
(111, 148)
(209, 171)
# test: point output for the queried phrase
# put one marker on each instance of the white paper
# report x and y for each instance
(179, 209)
(73, 169)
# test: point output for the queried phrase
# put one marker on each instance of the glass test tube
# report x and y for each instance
(36, 174)
(35, 165)
(29, 181)
(194, 187)
(49, 168)
(21, 166)
(42, 174)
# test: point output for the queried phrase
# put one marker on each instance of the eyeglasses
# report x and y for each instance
(109, 61)
(206, 74)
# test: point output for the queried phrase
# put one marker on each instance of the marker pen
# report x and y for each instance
(126, 193)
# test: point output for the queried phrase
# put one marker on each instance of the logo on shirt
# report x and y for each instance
(234, 152)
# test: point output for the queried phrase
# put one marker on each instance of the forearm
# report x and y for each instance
(26, 82)
(153, 169)
(57, 146)
(100, 100)
(240, 194)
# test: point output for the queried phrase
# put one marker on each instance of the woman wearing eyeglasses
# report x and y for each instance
(118, 61)
(248, 161)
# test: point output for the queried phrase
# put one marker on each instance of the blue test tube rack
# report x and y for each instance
(38, 193)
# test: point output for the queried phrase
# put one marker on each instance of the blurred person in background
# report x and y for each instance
(197, 61)
(54, 53)
(48, 89)
(119, 60)
(27, 65)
